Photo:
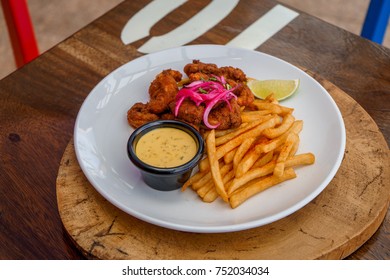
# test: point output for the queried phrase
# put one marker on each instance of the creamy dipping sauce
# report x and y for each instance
(166, 147)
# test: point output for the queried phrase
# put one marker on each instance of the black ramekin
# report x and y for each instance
(165, 179)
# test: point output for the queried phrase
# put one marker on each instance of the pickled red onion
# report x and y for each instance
(208, 93)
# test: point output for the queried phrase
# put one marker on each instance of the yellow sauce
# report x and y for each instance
(166, 147)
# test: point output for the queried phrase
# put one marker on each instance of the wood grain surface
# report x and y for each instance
(344, 216)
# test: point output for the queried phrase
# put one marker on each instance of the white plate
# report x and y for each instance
(101, 133)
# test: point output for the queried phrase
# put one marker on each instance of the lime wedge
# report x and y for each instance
(280, 88)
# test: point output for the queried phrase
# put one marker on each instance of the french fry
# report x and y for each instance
(229, 156)
(247, 162)
(212, 194)
(224, 168)
(195, 177)
(284, 153)
(241, 150)
(226, 138)
(214, 166)
(204, 164)
(263, 160)
(256, 112)
(228, 178)
(205, 134)
(241, 195)
(250, 158)
(301, 159)
(220, 133)
(271, 99)
(202, 181)
(275, 108)
(204, 189)
(250, 175)
(268, 168)
(248, 118)
(294, 149)
(254, 132)
(235, 142)
(278, 141)
(287, 122)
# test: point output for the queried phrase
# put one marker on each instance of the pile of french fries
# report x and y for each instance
(245, 161)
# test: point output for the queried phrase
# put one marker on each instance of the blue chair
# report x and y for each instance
(377, 18)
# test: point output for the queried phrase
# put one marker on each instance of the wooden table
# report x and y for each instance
(40, 101)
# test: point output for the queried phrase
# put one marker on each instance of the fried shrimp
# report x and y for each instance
(139, 114)
(189, 112)
(233, 73)
(163, 90)
(244, 95)
(205, 68)
(226, 116)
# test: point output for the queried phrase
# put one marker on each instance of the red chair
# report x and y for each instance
(20, 30)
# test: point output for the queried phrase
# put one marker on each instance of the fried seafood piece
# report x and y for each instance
(167, 116)
(205, 68)
(244, 95)
(198, 76)
(139, 114)
(163, 90)
(171, 116)
(189, 112)
(232, 73)
(226, 117)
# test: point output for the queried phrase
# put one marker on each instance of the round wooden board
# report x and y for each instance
(344, 216)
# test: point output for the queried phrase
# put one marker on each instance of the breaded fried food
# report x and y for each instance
(223, 114)
(235, 77)
(196, 66)
(189, 112)
(198, 76)
(233, 73)
(139, 114)
(244, 95)
(227, 117)
(163, 90)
